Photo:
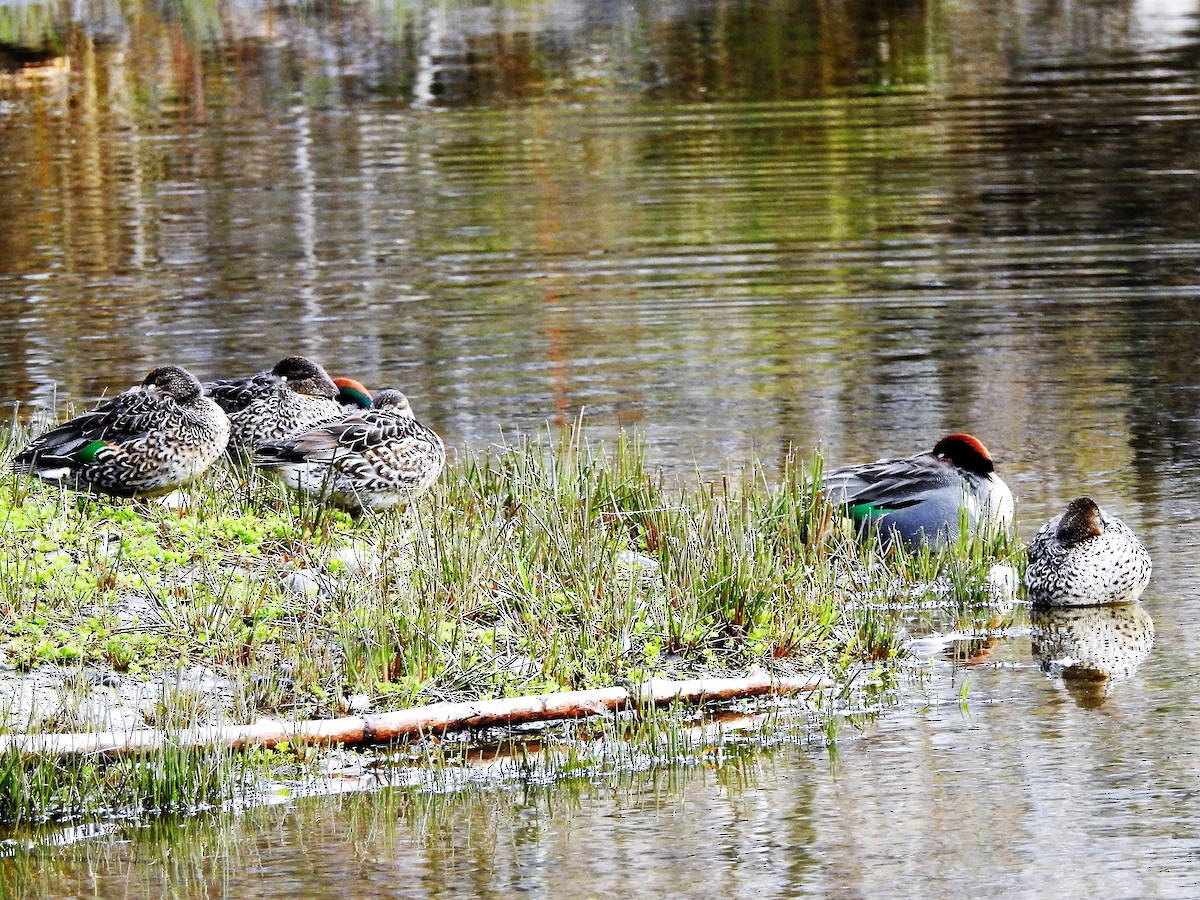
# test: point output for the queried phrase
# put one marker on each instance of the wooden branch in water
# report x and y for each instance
(435, 719)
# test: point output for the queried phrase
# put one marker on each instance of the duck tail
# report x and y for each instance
(276, 453)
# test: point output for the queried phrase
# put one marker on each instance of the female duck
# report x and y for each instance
(294, 396)
(369, 461)
(149, 440)
(1085, 557)
(918, 498)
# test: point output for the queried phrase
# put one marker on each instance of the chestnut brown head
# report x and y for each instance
(966, 452)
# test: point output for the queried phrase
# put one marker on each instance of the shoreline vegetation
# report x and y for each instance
(547, 565)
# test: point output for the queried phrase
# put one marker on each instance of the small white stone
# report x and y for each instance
(520, 665)
(201, 678)
(175, 500)
(358, 559)
(631, 559)
(301, 583)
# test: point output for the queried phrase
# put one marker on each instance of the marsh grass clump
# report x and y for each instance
(39, 788)
(545, 565)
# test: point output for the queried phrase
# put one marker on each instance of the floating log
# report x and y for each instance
(436, 719)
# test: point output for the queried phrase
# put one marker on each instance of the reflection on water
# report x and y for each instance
(1090, 647)
(980, 221)
(625, 838)
(735, 226)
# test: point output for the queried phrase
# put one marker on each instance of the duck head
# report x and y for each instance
(305, 377)
(966, 452)
(393, 401)
(352, 393)
(171, 381)
(1081, 521)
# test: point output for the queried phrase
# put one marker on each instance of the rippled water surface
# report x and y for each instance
(736, 226)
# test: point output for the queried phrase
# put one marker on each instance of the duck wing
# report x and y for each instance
(126, 417)
(319, 444)
(361, 434)
(235, 394)
(890, 484)
(377, 446)
(1045, 543)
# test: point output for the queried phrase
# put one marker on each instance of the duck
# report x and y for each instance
(368, 461)
(145, 442)
(1086, 557)
(917, 499)
(297, 394)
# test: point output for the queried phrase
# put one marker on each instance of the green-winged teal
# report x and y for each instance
(368, 461)
(918, 498)
(146, 441)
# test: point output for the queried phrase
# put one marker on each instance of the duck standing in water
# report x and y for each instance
(918, 498)
(1085, 557)
(368, 461)
(149, 440)
(294, 396)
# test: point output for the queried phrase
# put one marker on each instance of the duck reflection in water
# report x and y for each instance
(1091, 647)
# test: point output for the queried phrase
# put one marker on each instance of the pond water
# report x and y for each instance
(736, 227)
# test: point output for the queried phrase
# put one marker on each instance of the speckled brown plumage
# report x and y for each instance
(1085, 557)
(146, 441)
(368, 461)
(297, 394)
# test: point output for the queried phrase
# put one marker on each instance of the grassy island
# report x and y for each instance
(543, 566)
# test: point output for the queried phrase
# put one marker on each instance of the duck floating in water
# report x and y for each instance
(1085, 557)
(146, 441)
(918, 498)
(368, 461)
(296, 395)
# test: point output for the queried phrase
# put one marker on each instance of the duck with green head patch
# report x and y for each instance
(368, 461)
(919, 498)
(297, 394)
(149, 440)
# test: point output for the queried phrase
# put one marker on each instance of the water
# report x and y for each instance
(735, 227)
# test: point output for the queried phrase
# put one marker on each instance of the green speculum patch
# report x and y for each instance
(860, 511)
(88, 452)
